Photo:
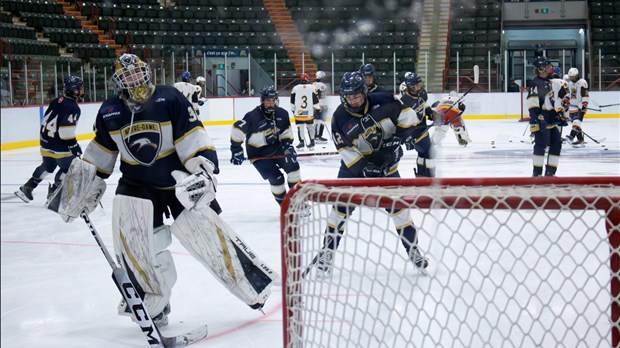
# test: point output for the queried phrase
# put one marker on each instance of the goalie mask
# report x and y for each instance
(268, 100)
(353, 91)
(133, 79)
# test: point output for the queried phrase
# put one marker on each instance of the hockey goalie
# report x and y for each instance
(168, 167)
(448, 114)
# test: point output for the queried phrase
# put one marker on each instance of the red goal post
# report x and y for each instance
(530, 261)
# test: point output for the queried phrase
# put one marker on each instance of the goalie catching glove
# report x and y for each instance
(195, 191)
(80, 190)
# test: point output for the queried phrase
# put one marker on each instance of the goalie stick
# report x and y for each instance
(134, 302)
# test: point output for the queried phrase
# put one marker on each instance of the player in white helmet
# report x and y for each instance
(190, 91)
(319, 118)
(305, 105)
(579, 100)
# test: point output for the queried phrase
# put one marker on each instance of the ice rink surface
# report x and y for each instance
(56, 285)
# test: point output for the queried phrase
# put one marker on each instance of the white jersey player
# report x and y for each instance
(305, 105)
(190, 91)
(450, 113)
(320, 118)
(579, 100)
(561, 99)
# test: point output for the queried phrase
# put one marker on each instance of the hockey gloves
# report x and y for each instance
(237, 157)
(290, 155)
(392, 149)
(374, 171)
(195, 191)
(75, 149)
(584, 106)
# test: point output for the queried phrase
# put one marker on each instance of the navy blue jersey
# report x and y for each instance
(375, 88)
(58, 127)
(262, 135)
(359, 137)
(418, 103)
(540, 101)
(153, 142)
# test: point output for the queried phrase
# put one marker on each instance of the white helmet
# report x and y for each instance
(566, 78)
(573, 72)
(320, 74)
(453, 94)
(200, 79)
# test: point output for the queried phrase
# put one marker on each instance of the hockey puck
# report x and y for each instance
(606, 149)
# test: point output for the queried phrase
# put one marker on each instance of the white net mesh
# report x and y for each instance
(511, 266)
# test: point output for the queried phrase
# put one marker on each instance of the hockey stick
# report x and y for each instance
(303, 154)
(594, 140)
(593, 109)
(476, 77)
(134, 302)
(608, 105)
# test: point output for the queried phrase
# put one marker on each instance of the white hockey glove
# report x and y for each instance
(80, 190)
(195, 191)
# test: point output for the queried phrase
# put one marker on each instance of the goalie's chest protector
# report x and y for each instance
(147, 145)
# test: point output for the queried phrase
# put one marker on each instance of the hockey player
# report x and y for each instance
(305, 105)
(266, 131)
(448, 115)
(367, 130)
(415, 97)
(168, 166)
(368, 70)
(57, 138)
(578, 88)
(319, 119)
(543, 119)
(190, 91)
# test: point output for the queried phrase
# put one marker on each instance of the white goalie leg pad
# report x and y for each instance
(212, 242)
(462, 136)
(143, 250)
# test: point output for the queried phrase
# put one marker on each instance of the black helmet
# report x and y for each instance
(412, 79)
(268, 92)
(72, 86)
(541, 63)
(367, 70)
(352, 83)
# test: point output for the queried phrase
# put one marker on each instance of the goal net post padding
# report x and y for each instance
(513, 262)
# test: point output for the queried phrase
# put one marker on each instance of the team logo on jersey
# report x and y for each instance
(142, 141)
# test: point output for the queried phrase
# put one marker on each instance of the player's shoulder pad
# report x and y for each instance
(381, 98)
(583, 83)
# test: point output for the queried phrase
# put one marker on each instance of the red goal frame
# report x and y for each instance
(607, 204)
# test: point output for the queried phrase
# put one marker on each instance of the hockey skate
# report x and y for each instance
(418, 260)
(320, 140)
(311, 145)
(50, 190)
(24, 193)
(578, 143)
(159, 320)
(301, 146)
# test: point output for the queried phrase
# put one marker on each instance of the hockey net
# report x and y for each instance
(513, 262)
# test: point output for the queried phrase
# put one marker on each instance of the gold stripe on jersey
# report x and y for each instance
(257, 139)
(350, 155)
(408, 118)
(101, 157)
(186, 145)
(54, 154)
